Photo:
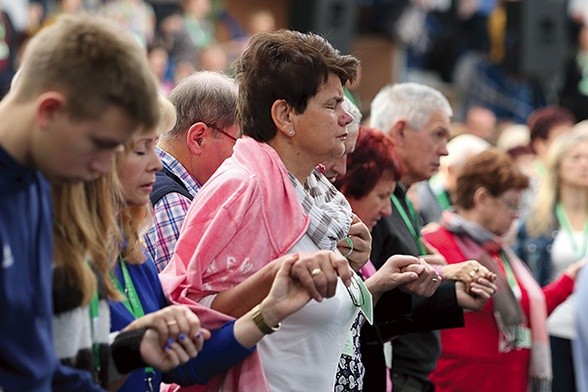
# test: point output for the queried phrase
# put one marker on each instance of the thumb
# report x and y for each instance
(406, 277)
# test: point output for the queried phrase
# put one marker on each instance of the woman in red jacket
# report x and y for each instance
(505, 346)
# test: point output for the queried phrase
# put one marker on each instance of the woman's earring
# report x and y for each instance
(291, 132)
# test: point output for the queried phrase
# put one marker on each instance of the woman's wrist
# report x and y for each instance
(438, 269)
(269, 313)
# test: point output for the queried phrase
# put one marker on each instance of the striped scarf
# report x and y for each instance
(476, 243)
(330, 213)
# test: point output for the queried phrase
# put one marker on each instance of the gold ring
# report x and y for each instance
(435, 280)
(172, 322)
(472, 273)
(350, 243)
(315, 272)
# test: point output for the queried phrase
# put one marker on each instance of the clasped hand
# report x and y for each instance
(173, 336)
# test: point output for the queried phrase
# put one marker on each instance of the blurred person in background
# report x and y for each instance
(436, 195)
(515, 140)
(505, 346)
(481, 122)
(555, 236)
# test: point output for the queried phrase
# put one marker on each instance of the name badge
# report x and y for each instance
(362, 298)
(524, 338)
(348, 347)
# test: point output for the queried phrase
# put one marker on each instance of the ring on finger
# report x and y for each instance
(472, 273)
(171, 322)
(315, 272)
(350, 243)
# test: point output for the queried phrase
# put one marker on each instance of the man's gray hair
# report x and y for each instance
(208, 97)
(352, 109)
(412, 102)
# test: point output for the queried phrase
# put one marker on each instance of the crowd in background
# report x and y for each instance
(179, 36)
(237, 222)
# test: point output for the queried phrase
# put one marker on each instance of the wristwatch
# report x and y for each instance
(261, 324)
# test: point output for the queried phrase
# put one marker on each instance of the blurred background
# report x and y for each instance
(494, 58)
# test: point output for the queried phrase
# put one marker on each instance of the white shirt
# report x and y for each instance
(303, 355)
(561, 322)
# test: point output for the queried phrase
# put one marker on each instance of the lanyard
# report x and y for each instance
(411, 222)
(133, 305)
(510, 277)
(539, 168)
(93, 330)
(443, 199)
(131, 299)
(564, 222)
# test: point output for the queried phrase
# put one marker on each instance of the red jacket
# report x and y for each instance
(470, 360)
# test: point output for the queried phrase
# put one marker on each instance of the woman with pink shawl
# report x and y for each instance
(268, 200)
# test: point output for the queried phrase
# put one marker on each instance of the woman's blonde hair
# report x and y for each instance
(92, 223)
(136, 220)
(541, 219)
(86, 232)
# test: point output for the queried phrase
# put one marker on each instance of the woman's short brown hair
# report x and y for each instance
(286, 65)
(491, 169)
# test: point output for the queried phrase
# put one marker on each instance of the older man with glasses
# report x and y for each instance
(202, 138)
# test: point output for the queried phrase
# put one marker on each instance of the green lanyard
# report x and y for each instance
(133, 305)
(411, 223)
(443, 199)
(131, 301)
(510, 276)
(539, 168)
(564, 222)
(93, 330)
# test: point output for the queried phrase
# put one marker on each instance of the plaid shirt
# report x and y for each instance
(169, 214)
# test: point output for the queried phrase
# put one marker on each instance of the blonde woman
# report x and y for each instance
(555, 236)
(87, 240)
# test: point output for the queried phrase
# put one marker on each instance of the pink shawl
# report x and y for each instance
(246, 215)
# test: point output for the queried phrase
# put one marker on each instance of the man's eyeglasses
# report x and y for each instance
(355, 292)
(233, 138)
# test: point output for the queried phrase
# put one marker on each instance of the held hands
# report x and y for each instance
(318, 273)
(467, 272)
(287, 295)
(393, 273)
(360, 237)
(173, 336)
(172, 354)
(478, 294)
(300, 278)
(427, 282)
(433, 257)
